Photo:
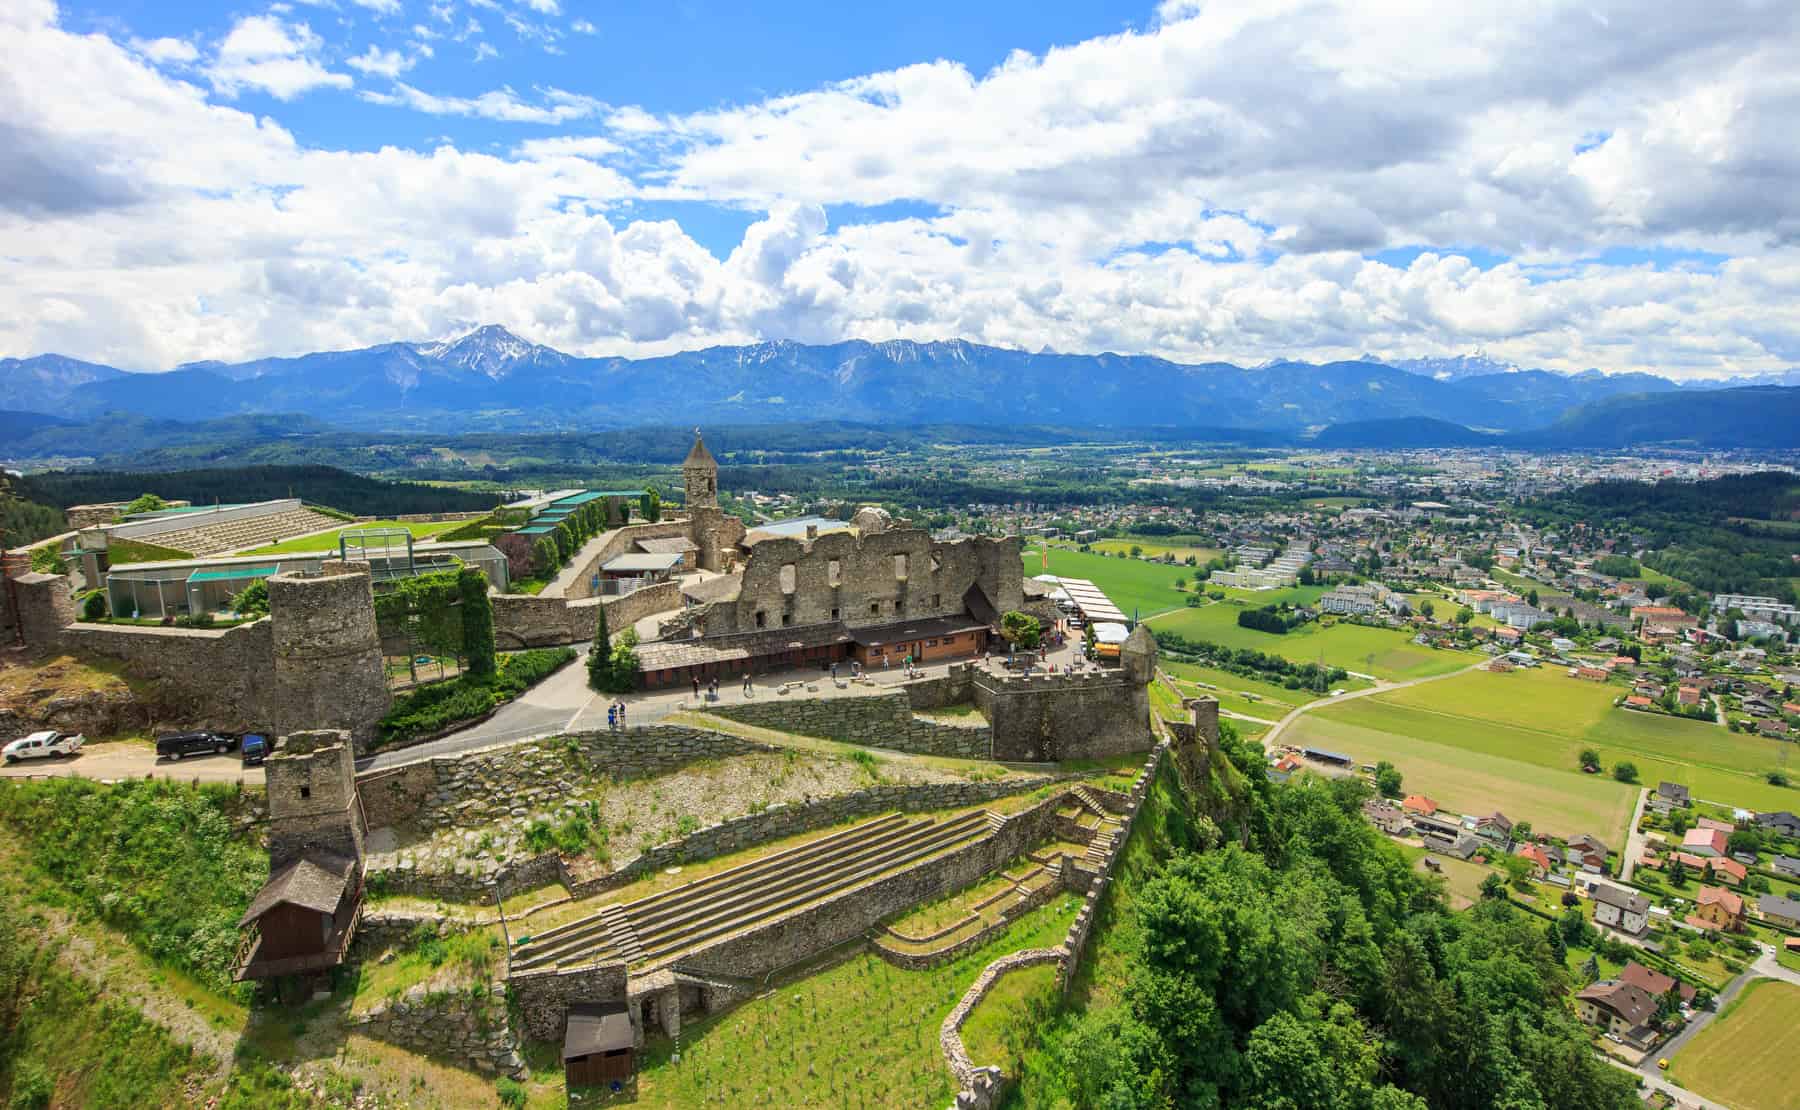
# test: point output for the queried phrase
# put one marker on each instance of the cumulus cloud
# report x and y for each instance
(1564, 185)
(383, 63)
(167, 51)
(266, 52)
(379, 7)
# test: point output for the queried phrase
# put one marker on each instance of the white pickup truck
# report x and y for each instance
(43, 745)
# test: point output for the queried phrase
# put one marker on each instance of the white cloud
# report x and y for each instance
(582, 27)
(167, 51)
(544, 7)
(383, 63)
(379, 7)
(484, 51)
(498, 104)
(268, 53)
(1209, 188)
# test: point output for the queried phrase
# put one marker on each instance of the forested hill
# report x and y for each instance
(1736, 534)
(319, 485)
(1753, 416)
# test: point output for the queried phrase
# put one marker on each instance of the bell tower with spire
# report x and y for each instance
(700, 474)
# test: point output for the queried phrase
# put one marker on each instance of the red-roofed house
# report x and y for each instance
(1540, 860)
(1716, 908)
(1714, 823)
(1420, 804)
(1705, 842)
(1637, 701)
(1729, 871)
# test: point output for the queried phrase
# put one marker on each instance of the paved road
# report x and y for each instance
(126, 759)
(1636, 840)
(1273, 734)
(1764, 967)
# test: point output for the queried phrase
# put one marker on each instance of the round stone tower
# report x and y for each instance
(328, 669)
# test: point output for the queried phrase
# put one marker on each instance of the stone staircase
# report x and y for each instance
(656, 930)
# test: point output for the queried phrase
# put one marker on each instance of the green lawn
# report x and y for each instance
(1272, 700)
(1383, 652)
(1746, 1057)
(328, 541)
(997, 1028)
(1166, 545)
(863, 1033)
(1132, 584)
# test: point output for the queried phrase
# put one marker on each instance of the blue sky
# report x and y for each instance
(1578, 183)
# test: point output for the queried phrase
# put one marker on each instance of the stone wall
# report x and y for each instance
(878, 720)
(225, 676)
(464, 1026)
(981, 1086)
(522, 620)
(573, 582)
(922, 961)
(544, 997)
(781, 821)
(834, 921)
(1050, 717)
(868, 580)
(470, 789)
(1081, 929)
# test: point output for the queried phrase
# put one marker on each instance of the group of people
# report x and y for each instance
(615, 716)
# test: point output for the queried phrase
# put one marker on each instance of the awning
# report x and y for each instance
(231, 574)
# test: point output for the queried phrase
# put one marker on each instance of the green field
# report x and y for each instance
(1158, 547)
(1746, 1058)
(328, 541)
(1272, 699)
(1132, 584)
(1383, 652)
(1482, 741)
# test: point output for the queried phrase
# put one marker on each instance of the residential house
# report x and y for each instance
(1419, 804)
(1591, 674)
(1779, 910)
(1728, 871)
(1782, 822)
(1725, 827)
(1787, 865)
(1540, 860)
(1671, 795)
(1655, 983)
(1619, 1008)
(1387, 817)
(1638, 701)
(1704, 842)
(1621, 909)
(1716, 908)
(1433, 825)
(1496, 827)
(1589, 853)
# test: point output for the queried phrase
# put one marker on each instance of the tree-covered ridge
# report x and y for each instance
(318, 485)
(22, 521)
(1298, 962)
(1736, 534)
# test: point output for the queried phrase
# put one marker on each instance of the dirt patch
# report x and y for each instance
(94, 697)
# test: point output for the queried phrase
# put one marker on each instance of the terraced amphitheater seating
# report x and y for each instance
(656, 930)
(228, 536)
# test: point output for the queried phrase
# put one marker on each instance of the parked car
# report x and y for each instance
(174, 745)
(44, 745)
(254, 748)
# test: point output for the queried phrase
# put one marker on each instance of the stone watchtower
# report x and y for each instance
(714, 533)
(1137, 655)
(313, 807)
(700, 476)
(328, 666)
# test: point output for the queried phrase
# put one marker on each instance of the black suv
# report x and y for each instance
(174, 745)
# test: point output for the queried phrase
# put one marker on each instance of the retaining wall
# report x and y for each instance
(457, 1025)
(982, 1086)
(537, 621)
(877, 720)
(921, 961)
(544, 997)
(227, 675)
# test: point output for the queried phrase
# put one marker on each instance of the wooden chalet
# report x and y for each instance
(302, 920)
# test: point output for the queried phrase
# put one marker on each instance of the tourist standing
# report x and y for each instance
(696, 687)
(621, 714)
(612, 718)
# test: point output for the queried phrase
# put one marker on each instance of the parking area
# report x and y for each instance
(126, 759)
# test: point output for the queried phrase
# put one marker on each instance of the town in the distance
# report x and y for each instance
(839, 765)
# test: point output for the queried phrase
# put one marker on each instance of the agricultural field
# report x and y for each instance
(1157, 547)
(328, 541)
(1465, 739)
(1383, 652)
(1132, 584)
(1746, 1058)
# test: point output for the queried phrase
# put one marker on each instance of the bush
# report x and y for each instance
(512, 1092)
(441, 704)
(1625, 771)
(93, 606)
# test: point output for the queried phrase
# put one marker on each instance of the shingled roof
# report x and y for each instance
(698, 455)
(314, 882)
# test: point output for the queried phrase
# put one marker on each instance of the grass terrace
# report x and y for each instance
(328, 541)
(1132, 584)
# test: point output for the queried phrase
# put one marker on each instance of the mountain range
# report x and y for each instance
(492, 380)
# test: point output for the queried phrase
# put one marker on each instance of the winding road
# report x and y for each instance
(1274, 734)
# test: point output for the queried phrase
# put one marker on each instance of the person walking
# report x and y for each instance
(834, 670)
(747, 690)
(612, 718)
(696, 687)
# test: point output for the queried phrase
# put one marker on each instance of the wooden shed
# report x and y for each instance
(597, 1046)
(302, 919)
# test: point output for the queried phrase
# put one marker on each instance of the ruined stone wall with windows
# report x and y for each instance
(868, 580)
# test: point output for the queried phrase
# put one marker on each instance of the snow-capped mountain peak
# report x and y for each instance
(1453, 368)
(489, 350)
